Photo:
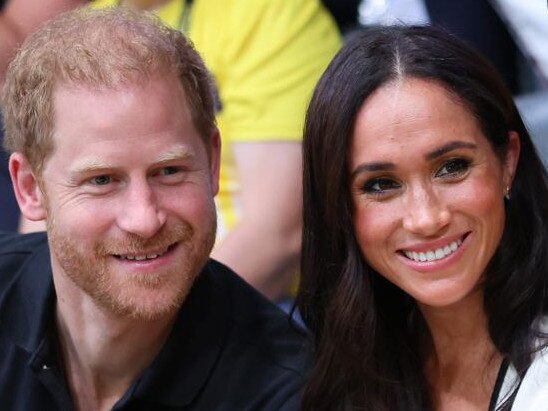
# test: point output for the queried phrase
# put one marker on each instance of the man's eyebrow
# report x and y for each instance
(371, 167)
(90, 165)
(178, 153)
(453, 145)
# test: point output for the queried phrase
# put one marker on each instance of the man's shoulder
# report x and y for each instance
(15, 243)
(16, 249)
(263, 352)
(253, 314)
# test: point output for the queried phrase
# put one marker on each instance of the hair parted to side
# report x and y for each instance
(364, 327)
(96, 48)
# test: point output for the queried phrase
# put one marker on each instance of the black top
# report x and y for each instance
(498, 384)
(230, 348)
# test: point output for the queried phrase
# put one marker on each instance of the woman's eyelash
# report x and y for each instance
(453, 167)
(379, 185)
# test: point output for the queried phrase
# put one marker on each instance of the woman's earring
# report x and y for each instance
(507, 195)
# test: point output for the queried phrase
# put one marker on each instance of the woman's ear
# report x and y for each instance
(28, 193)
(511, 161)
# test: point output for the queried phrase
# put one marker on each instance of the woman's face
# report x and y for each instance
(427, 191)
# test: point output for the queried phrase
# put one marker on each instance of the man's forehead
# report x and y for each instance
(99, 122)
(156, 95)
(116, 82)
(68, 87)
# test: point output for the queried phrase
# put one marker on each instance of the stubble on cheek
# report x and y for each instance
(145, 297)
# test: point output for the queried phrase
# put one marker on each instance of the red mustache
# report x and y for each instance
(134, 244)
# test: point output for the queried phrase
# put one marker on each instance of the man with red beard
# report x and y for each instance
(110, 121)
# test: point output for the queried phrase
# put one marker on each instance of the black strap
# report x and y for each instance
(184, 18)
(184, 21)
(498, 384)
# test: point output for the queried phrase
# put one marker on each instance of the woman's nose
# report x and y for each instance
(426, 212)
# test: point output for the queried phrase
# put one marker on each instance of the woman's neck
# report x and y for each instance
(462, 365)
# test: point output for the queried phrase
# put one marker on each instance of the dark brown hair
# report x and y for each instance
(365, 328)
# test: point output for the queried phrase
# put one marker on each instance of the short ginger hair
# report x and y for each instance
(96, 48)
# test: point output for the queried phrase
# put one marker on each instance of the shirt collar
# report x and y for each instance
(188, 357)
(28, 303)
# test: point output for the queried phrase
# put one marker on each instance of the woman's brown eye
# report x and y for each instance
(380, 185)
(453, 167)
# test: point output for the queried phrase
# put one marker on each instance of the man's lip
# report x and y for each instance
(158, 252)
(432, 245)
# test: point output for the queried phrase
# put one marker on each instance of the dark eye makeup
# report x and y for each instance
(454, 167)
(380, 185)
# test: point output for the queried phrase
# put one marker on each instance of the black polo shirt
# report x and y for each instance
(230, 348)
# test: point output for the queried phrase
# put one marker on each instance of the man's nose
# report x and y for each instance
(426, 212)
(141, 212)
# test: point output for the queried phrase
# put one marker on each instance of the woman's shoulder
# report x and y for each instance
(532, 391)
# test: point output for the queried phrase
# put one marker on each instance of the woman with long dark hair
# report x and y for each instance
(424, 262)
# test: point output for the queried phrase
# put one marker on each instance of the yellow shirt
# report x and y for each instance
(266, 56)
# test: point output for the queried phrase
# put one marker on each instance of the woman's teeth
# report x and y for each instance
(433, 255)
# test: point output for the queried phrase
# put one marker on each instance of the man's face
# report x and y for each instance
(129, 194)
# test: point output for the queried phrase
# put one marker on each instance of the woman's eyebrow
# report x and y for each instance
(388, 166)
(453, 145)
(372, 167)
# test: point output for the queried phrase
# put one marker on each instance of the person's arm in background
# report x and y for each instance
(268, 79)
(19, 18)
(264, 247)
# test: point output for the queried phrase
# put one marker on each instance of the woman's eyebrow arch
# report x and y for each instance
(453, 145)
(372, 167)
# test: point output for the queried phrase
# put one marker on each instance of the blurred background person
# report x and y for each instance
(424, 275)
(510, 33)
(18, 18)
(345, 13)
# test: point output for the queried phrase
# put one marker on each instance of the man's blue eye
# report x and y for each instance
(170, 170)
(453, 167)
(101, 180)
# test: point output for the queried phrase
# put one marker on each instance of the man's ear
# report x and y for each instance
(29, 196)
(511, 159)
(215, 160)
